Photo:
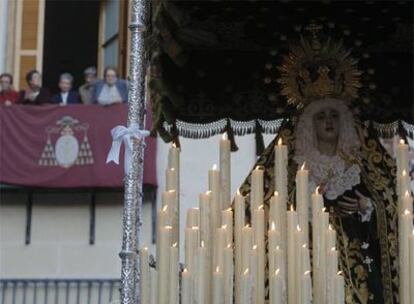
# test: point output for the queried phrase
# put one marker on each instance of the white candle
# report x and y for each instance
(186, 292)
(256, 195)
(227, 221)
(203, 288)
(317, 206)
(218, 281)
(323, 226)
(154, 287)
(330, 238)
(302, 199)
(281, 164)
(174, 274)
(340, 288)
(406, 202)
(169, 199)
(163, 268)
(247, 243)
(239, 222)
(225, 172)
(206, 234)
(259, 240)
(246, 288)
(300, 269)
(145, 275)
(228, 274)
(402, 162)
(276, 288)
(405, 228)
(162, 220)
(292, 222)
(171, 179)
(192, 241)
(273, 237)
(219, 245)
(332, 270)
(277, 215)
(193, 217)
(306, 289)
(214, 187)
(174, 157)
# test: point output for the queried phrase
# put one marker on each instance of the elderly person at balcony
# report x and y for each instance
(66, 95)
(86, 90)
(34, 94)
(111, 90)
(8, 95)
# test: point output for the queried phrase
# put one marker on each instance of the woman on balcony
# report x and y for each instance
(34, 94)
(111, 90)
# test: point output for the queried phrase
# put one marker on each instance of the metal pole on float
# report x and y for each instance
(133, 183)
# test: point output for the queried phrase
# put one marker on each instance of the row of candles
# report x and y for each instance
(224, 254)
(405, 226)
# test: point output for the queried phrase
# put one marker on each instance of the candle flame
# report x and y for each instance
(333, 248)
(280, 142)
(277, 247)
(273, 226)
(406, 212)
(171, 191)
(261, 207)
(317, 190)
(194, 227)
(174, 145)
(413, 231)
(307, 272)
(165, 208)
(185, 270)
(224, 226)
(304, 245)
(229, 209)
(208, 192)
(330, 227)
(277, 271)
(254, 247)
(168, 227)
(225, 136)
(339, 272)
(238, 191)
(404, 173)
(171, 169)
(217, 268)
(175, 244)
(298, 228)
(246, 272)
(303, 166)
(229, 245)
(323, 209)
(202, 243)
(247, 226)
(276, 193)
(402, 141)
(214, 167)
(291, 207)
(407, 194)
(145, 248)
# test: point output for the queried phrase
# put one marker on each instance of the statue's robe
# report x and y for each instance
(376, 282)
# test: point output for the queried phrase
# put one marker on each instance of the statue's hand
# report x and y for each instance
(348, 206)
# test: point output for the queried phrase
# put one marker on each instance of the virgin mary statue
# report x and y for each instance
(345, 160)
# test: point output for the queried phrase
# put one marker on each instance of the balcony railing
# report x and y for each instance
(59, 291)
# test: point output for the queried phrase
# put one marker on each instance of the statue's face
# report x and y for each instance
(326, 124)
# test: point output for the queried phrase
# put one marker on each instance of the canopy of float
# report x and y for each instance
(211, 61)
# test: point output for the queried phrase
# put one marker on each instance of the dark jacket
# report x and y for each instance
(73, 98)
(121, 85)
(41, 98)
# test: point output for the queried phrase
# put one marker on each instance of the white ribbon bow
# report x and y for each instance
(123, 134)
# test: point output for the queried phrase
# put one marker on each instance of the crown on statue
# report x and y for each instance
(314, 69)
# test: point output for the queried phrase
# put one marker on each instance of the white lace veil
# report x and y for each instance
(323, 168)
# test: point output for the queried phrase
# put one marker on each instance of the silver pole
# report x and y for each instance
(133, 193)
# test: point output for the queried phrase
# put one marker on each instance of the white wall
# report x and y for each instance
(59, 245)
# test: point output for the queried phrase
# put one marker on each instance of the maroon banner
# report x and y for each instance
(64, 147)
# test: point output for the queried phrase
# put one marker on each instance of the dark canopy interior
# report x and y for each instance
(215, 60)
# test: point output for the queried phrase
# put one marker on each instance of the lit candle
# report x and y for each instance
(219, 244)
(321, 274)
(402, 161)
(330, 238)
(340, 288)
(300, 269)
(186, 292)
(405, 183)
(332, 270)
(192, 241)
(277, 215)
(405, 227)
(145, 275)
(317, 206)
(162, 220)
(256, 195)
(274, 237)
(281, 164)
(225, 172)
(302, 199)
(228, 274)
(174, 158)
(239, 222)
(193, 217)
(214, 187)
(246, 288)
(171, 179)
(259, 240)
(218, 281)
(163, 268)
(203, 288)
(169, 198)
(174, 274)
(292, 221)
(206, 234)
(406, 202)
(276, 288)
(305, 293)
(227, 221)
(247, 243)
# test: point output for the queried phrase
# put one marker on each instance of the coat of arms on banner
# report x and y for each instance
(67, 151)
